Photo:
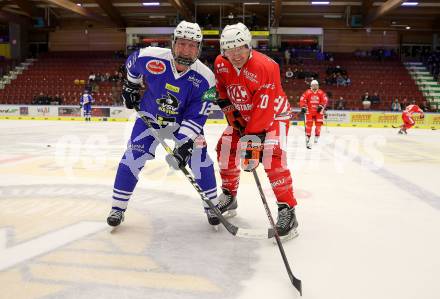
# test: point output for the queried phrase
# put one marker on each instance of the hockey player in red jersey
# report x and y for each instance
(256, 108)
(407, 118)
(312, 104)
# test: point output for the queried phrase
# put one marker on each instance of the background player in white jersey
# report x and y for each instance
(85, 103)
(176, 83)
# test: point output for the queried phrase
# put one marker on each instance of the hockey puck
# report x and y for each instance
(48, 145)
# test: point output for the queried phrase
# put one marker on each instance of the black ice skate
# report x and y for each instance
(287, 223)
(227, 204)
(212, 217)
(115, 217)
(308, 142)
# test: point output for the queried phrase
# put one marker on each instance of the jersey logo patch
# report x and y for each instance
(237, 93)
(156, 67)
(168, 104)
(172, 88)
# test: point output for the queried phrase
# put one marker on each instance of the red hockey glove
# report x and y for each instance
(251, 151)
(233, 116)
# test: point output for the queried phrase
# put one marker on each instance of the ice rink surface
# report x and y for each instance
(369, 220)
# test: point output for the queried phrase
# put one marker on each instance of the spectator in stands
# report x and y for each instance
(425, 106)
(287, 56)
(41, 99)
(347, 80)
(92, 77)
(375, 99)
(340, 81)
(289, 75)
(366, 102)
(56, 100)
(340, 103)
(404, 103)
(395, 106)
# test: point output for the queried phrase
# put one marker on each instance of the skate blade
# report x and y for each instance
(230, 214)
(309, 146)
(215, 228)
(291, 235)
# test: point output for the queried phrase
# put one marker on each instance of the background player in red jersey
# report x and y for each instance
(407, 118)
(256, 107)
(312, 104)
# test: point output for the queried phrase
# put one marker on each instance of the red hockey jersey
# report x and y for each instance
(255, 90)
(410, 109)
(312, 100)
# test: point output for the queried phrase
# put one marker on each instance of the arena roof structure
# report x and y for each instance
(390, 14)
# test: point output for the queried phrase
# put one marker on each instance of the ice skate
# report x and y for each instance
(115, 218)
(286, 224)
(227, 204)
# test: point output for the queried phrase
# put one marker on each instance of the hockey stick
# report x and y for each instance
(295, 281)
(234, 230)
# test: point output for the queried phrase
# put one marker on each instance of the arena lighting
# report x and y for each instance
(79, 4)
(410, 3)
(320, 2)
(150, 3)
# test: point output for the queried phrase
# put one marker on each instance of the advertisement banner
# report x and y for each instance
(43, 110)
(362, 118)
(338, 117)
(6, 110)
(120, 112)
(24, 110)
(433, 119)
(69, 111)
(101, 111)
(389, 119)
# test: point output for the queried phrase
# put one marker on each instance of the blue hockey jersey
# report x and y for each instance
(86, 99)
(172, 97)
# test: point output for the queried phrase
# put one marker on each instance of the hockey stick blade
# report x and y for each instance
(295, 281)
(234, 230)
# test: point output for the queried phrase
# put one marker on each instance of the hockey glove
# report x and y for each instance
(304, 110)
(131, 94)
(422, 115)
(233, 116)
(319, 109)
(252, 151)
(181, 154)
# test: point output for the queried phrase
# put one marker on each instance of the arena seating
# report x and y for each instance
(388, 77)
(56, 72)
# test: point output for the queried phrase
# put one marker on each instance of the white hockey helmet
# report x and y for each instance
(189, 31)
(314, 82)
(234, 36)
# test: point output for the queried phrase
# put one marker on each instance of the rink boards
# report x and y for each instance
(368, 119)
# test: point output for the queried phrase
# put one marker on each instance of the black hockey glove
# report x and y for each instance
(131, 94)
(319, 109)
(181, 153)
(304, 110)
(232, 115)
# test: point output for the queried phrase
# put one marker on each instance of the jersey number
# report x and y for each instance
(206, 109)
(264, 101)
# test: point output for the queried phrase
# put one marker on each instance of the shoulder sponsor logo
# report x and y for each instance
(210, 95)
(250, 76)
(196, 82)
(173, 88)
(156, 67)
(221, 68)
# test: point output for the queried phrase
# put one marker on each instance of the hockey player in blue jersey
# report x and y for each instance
(176, 82)
(85, 103)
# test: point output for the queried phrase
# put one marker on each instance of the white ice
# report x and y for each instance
(368, 211)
